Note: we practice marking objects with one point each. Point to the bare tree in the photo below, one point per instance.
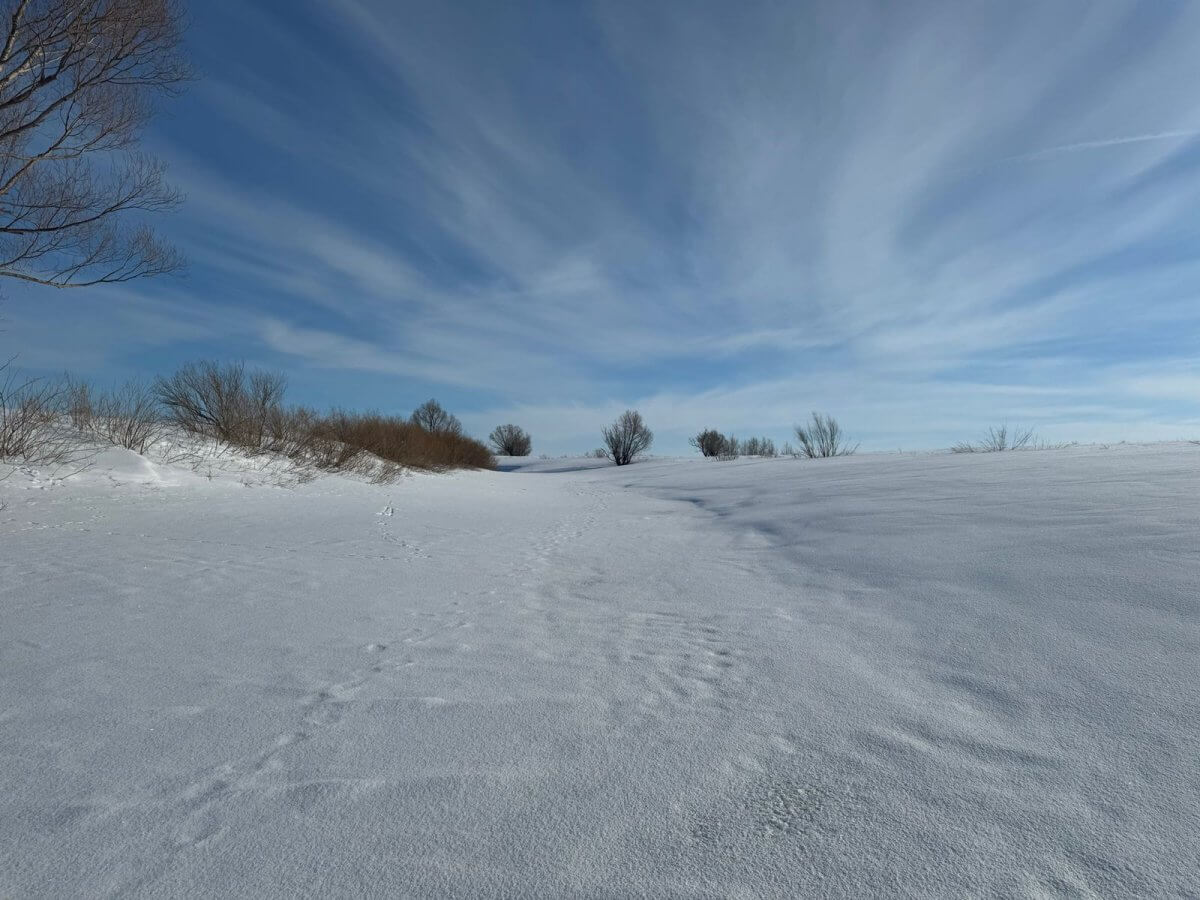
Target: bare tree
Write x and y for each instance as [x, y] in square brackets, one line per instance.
[433, 418]
[627, 438]
[77, 81]
[511, 440]
[823, 437]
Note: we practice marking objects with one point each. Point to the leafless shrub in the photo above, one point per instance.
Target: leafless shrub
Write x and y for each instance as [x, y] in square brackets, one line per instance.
[599, 453]
[760, 446]
[822, 437]
[511, 440]
[223, 401]
[403, 442]
[77, 78]
[77, 402]
[128, 416]
[265, 393]
[714, 445]
[33, 430]
[789, 450]
[27, 407]
[432, 417]
[322, 444]
[201, 454]
[709, 442]
[381, 471]
[627, 438]
[1000, 439]
[245, 410]
[293, 431]
[217, 410]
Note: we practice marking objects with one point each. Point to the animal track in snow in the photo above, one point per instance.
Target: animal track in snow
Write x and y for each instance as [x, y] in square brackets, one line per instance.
[776, 804]
[786, 808]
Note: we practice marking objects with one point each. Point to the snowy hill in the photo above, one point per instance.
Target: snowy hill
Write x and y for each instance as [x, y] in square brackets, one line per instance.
[926, 675]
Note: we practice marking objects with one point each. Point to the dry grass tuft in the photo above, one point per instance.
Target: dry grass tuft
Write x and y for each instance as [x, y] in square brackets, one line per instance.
[998, 440]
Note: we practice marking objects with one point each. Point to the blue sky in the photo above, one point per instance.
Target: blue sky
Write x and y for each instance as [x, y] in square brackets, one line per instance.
[923, 217]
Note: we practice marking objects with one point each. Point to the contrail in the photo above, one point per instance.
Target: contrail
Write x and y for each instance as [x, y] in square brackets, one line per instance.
[1107, 142]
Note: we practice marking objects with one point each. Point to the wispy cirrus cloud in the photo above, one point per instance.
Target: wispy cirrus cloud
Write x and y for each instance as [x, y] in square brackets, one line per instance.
[548, 213]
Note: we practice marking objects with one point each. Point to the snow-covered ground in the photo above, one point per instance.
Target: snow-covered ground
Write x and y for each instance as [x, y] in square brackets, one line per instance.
[927, 675]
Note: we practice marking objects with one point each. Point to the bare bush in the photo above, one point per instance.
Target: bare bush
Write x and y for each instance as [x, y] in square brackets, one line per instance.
[822, 437]
[264, 392]
[223, 401]
[293, 431]
[760, 446]
[403, 442]
[77, 79]
[322, 446]
[128, 416]
[627, 438]
[32, 429]
[709, 442]
[432, 417]
[1000, 439]
[245, 410]
[231, 410]
[599, 453]
[511, 440]
[77, 402]
[714, 445]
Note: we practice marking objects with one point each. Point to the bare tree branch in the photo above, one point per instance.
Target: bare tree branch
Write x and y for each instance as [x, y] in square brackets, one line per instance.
[77, 80]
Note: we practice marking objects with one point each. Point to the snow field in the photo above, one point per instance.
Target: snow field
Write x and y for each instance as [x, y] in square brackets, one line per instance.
[924, 675]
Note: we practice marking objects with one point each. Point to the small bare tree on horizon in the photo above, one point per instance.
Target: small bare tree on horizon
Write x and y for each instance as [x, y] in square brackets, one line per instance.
[431, 416]
[77, 81]
[627, 438]
[511, 440]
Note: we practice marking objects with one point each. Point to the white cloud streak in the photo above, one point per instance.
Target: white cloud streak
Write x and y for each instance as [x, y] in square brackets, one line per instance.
[1103, 144]
[729, 219]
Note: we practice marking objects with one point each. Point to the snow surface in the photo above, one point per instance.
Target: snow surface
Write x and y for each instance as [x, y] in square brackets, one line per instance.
[926, 675]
